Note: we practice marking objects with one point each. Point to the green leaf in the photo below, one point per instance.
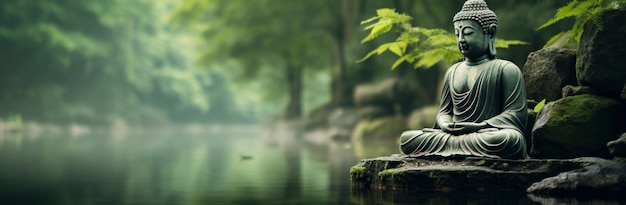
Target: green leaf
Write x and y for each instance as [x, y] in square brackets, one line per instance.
[378, 29]
[554, 38]
[539, 106]
[446, 39]
[501, 43]
[431, 57]
[409, 57]
[574, 8]
[370, 20]
[398, 48]
[385, 12]
[370, 54]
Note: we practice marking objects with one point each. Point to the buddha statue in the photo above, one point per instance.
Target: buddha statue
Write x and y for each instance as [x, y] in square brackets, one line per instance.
[483, 99]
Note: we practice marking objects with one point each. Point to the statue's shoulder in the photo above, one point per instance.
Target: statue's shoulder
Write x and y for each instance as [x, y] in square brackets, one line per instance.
[507, 66]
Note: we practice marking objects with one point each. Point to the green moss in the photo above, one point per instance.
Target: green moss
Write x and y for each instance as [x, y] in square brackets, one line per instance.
[357, 172]
[574, 120]
[619, 159]
[481, 162]
[389, 173]
[579, 108]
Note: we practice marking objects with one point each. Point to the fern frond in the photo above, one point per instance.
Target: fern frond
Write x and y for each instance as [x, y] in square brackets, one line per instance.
[555, 38]
[573, 8]
[501, 43]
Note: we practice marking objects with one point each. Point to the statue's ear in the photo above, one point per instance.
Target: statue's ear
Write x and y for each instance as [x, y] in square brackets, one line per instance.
[492, 39]
[492, 31]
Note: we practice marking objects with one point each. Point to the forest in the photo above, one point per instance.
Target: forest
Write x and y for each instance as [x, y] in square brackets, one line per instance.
[148, 62]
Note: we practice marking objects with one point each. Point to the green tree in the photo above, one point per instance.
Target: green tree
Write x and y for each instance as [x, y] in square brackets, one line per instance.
[285, 36]
[583, 11]
[96, 61]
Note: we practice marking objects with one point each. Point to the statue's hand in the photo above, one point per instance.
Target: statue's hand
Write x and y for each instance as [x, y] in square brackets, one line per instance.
[460, 128]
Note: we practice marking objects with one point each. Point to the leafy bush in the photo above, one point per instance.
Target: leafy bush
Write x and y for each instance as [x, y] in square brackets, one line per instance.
[419, 46]
[583, 10]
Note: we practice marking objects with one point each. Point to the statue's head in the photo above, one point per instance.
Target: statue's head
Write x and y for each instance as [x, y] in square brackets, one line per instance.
[475, 28]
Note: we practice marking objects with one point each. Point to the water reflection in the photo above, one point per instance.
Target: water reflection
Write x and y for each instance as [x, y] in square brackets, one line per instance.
[176, 167]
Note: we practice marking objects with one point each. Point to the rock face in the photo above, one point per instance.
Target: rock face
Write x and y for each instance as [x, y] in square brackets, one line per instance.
[569, 90]
[596, 177]
[547, 71]
[601, 63]
[577, 126]
[617, 147]
[480, 174]
[385, 93]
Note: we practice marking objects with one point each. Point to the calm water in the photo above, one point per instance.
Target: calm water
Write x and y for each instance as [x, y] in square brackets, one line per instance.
[238, 166]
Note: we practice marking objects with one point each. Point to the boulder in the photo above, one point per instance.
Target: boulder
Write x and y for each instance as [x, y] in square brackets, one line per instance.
[379, 129]
[569, 90]
[530, 121]
[318, 117]
[617, 148]
[423, 117]
[547, 70]
[623, 96]
[576, 126]
[374, 111]
[597, 177]
[386, 93]
[484, 174]
[343, 118]
[601, 63]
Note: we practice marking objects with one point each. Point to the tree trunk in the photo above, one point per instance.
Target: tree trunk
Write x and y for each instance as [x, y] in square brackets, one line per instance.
[294, 84]
[346, 13]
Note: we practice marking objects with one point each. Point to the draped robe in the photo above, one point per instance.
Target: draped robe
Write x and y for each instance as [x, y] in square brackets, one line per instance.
[497, 97]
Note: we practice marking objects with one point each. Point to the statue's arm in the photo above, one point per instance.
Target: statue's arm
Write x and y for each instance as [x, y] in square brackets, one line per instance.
[513, 100]
[444, 116]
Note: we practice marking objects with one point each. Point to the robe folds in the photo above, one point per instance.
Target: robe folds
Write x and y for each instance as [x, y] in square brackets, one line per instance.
[497, 97]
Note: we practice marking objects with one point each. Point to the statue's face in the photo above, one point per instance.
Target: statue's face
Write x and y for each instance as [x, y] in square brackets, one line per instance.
[472, 41]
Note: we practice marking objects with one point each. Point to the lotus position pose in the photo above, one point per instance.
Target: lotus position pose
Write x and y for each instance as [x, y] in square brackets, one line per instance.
[483, 99]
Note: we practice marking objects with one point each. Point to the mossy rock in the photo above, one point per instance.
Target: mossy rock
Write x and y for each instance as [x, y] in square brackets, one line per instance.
[454, 173]
[600, 55]
[379, 128]
[577, 126]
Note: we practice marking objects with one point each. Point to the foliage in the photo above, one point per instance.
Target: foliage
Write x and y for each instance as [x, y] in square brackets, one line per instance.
[272, 41]
[583, 11]
[419, 46]
[539, 106]
[96, 61]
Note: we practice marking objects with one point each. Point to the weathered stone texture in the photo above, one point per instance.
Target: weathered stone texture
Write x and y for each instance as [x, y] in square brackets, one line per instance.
[595, 177]
[617, 147]
[570, 90]
[576, 126]
[482, 174]
[601, 63]
[547, 71]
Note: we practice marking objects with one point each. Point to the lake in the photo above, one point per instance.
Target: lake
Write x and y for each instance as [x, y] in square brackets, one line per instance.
[241, 165]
